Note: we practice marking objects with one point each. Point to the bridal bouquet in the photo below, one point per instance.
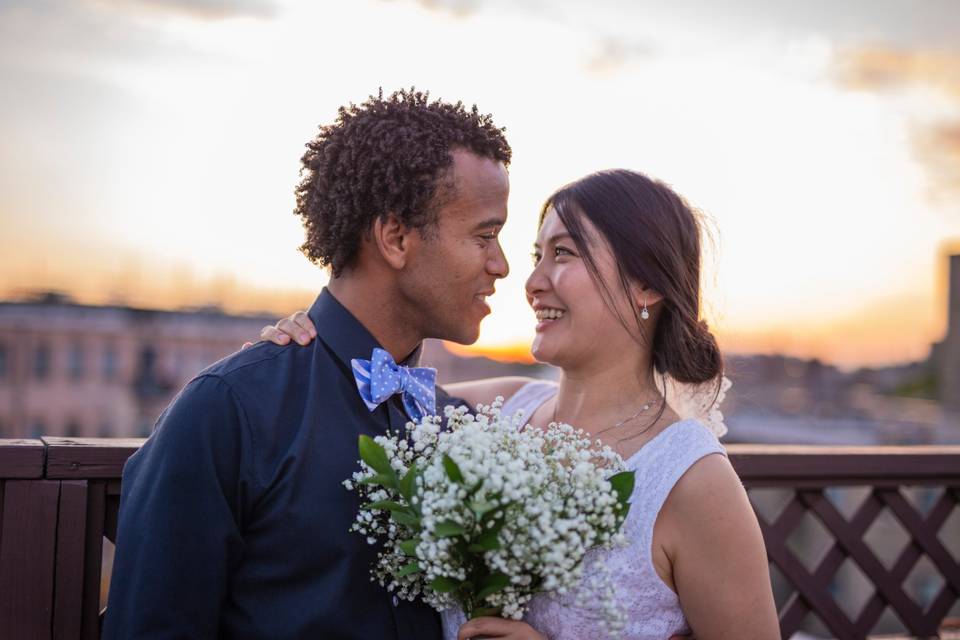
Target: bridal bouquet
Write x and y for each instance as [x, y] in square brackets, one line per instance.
[484, 514]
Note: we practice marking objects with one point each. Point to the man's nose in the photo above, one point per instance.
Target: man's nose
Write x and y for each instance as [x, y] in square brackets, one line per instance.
[497, 264]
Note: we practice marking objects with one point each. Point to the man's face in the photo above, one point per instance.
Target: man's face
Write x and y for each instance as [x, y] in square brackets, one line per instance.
[456, 265]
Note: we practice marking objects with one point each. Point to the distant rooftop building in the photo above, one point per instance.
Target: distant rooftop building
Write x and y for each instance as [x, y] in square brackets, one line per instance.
[74, 370]
[68, 369]
[949, 350]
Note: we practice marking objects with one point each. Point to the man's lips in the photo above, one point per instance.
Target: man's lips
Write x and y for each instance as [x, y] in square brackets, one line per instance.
[482, 297]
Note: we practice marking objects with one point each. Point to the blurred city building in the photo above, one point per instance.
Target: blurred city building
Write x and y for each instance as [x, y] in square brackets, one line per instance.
[68, 369]
[778, 399]
[946, 354]
[77, 370]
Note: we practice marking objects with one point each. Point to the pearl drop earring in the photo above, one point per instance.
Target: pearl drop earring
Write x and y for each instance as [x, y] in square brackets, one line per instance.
[644, 314]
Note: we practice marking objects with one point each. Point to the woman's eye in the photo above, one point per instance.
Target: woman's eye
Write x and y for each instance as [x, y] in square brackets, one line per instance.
[562, 251]
[535, 257]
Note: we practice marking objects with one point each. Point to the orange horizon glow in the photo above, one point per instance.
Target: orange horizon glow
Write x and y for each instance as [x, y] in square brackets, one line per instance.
[886, 331]
[872, 337]
[519, 352]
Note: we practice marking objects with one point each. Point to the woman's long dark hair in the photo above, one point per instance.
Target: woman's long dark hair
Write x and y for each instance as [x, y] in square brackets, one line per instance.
[655, 237]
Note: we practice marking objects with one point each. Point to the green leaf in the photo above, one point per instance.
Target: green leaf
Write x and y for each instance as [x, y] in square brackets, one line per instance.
[413, 567]
[453, 471]
[495, 528]
[443, 584]
[486, 541]
[491, 584]
[374, 455]
[496, 513]
[409, 547]
[383, 480]
[481, 507]
[406, 519]
[385, 505]
[448, 529]
[476, 487]
[623, 484]
[408, 483]
[480, 612]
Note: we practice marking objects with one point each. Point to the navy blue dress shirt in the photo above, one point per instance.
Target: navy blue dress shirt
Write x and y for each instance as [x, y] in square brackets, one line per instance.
[233, 517]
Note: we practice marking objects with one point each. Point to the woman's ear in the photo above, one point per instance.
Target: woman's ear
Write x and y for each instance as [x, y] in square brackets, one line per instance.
[392, 239]
[646, 297]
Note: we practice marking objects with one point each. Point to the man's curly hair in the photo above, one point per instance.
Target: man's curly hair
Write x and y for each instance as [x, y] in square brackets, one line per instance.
[385, 156]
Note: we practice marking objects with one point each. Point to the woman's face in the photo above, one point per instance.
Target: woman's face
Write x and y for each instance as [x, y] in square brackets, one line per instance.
[575, 325]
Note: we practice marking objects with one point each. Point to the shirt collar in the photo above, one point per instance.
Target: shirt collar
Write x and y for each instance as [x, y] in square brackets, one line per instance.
[344, 335]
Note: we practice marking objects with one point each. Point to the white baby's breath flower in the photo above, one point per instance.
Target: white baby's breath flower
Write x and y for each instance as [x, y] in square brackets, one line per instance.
[491, 503]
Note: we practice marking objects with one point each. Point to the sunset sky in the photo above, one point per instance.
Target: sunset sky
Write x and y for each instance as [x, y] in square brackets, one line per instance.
[150, 147]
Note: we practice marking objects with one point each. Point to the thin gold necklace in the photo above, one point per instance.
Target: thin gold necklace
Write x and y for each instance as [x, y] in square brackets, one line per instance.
[645, 407]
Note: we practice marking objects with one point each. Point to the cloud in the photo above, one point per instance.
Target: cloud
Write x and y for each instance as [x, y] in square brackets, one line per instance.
[614, 54]
[202, 9]
[897, 71]
[893, 69]
[939, 147]
[455, 8]
[612, 48]
[83, 37]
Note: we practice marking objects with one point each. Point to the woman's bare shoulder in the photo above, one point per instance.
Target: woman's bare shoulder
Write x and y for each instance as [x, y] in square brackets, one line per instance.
[707, 488]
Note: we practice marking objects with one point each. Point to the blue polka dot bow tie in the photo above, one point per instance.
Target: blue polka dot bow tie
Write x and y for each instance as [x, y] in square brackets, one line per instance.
[380, 377]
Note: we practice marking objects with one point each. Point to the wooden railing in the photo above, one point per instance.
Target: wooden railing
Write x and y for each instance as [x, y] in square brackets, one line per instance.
[884, 473]
[59, 500]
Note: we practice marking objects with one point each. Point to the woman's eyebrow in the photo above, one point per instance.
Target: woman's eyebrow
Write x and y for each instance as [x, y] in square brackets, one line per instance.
[563, 235]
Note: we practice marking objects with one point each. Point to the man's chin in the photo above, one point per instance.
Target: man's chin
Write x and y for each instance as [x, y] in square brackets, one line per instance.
[464, 336]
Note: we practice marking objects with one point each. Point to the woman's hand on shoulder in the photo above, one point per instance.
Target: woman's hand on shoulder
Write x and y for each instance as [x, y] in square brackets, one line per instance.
[297, 326]
[491, 627]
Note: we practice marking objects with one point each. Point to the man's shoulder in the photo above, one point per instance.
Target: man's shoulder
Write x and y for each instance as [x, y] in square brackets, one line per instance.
[254, 385]
[247, 361]
[265, 359]
[265, 379]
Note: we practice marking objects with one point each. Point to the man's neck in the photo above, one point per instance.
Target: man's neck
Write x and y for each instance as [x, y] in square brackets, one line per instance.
[374, 306]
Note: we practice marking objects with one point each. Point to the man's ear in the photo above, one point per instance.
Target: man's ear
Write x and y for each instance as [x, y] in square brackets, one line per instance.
[392, 239]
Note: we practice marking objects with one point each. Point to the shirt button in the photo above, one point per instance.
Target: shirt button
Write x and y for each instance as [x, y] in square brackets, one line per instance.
[396, 601]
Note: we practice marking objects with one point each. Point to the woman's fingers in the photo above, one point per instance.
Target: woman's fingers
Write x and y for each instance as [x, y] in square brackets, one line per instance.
[272, 334]
[302, 320]
[498, 628]
[297, 326]
[245, 345]
[294, 330]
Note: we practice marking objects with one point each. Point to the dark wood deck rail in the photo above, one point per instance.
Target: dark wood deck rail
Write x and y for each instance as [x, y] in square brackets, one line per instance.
[59, 498]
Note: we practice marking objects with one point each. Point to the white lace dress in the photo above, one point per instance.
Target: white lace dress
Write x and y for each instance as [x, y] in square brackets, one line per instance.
[652, 609]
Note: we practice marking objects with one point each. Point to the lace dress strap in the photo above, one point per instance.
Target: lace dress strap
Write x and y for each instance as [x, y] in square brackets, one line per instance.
[529, 398]
[663, 461]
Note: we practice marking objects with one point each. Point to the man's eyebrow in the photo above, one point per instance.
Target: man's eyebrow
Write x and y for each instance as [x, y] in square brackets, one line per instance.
[489, 222]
